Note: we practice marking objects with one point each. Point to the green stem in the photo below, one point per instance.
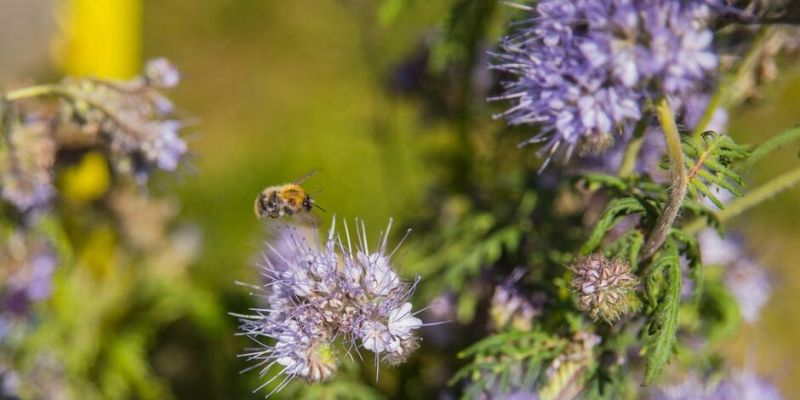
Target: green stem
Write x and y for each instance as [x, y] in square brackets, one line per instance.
[751, 199]
[708, 114]
[724, 95]
[767, 147]
[678, 180]
[628, 166]
[31, 91]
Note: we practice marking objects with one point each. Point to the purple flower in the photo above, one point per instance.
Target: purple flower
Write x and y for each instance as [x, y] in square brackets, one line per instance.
[159, 72]
[744, 385]
[582, 70]
[28, 265]
[318, 293]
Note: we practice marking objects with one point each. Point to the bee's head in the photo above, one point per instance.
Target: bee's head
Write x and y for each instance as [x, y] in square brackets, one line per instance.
[308, 203]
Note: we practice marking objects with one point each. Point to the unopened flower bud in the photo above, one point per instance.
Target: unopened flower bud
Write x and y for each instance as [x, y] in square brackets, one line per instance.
[603, 287]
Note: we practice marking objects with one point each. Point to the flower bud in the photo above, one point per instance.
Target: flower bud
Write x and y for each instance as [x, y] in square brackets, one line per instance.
[603, 287]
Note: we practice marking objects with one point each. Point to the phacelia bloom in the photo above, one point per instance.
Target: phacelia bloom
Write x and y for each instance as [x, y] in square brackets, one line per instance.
[747, 280]
[131, 117]
[26, 163]
[603, 287]
[28, 265]
[319, 295]
[584, 69]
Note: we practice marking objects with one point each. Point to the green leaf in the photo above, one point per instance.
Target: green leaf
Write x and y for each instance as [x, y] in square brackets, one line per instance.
[616, 210]
[769, 146]
[659, 334]
[389, 10]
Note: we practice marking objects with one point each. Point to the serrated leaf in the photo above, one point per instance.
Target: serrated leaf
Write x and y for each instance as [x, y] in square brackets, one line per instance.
[615, 211]
[659, 334]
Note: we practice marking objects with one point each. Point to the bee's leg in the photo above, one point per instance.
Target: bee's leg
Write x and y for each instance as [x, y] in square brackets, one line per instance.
[287, 210]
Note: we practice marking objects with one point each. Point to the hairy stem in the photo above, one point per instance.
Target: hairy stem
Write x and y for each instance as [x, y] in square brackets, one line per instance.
[678, 180]
[751, 199]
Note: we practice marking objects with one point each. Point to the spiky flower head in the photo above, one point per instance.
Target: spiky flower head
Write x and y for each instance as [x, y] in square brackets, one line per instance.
[583, 70]
[322, 295]
[603, 288]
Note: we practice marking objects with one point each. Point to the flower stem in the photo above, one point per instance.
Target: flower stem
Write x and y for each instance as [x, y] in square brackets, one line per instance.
[678, 180]
[31, 91]
[628, 166]
[751, 199]
[724, 95]
[770, 145]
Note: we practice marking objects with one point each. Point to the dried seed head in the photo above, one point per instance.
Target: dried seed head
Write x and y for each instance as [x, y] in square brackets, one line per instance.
[603, 287]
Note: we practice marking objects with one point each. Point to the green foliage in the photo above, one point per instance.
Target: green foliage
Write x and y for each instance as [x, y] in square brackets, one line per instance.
[338, 389]
[452, 259]
[711, 162]
[766, 148]
[507, 361]
[662, 291]
[616, 210]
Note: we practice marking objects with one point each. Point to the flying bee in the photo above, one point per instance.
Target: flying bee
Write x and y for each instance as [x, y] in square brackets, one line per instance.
[288, 199]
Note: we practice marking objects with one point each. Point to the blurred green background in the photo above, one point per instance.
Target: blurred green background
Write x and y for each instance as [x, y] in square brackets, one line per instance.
[276, 89]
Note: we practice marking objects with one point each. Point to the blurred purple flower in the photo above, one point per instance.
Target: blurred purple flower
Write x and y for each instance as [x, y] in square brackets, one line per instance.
[160, 72]
[740, 385]
[584, 69]
[746, 385]
[132, 117]
[28, 265]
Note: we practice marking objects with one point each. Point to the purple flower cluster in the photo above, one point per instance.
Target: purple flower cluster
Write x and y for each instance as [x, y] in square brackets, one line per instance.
[320, 295]
[584, 69]
[131, 116]
[130, 120]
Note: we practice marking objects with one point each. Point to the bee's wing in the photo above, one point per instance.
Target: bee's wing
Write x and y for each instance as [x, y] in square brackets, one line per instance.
[303, 178]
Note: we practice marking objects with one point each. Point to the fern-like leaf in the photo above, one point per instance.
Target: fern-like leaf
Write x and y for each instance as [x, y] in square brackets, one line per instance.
[710, 163]
[659, 334]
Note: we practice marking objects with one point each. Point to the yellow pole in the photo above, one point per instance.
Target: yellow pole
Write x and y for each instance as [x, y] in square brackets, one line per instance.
[101, 38]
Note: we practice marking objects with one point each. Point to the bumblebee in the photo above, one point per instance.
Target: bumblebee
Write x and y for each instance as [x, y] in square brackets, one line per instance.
[288, 199]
